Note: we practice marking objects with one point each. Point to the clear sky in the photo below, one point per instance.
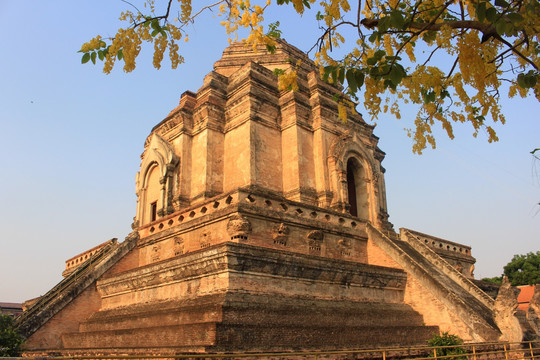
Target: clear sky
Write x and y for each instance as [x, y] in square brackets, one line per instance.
[72, 137]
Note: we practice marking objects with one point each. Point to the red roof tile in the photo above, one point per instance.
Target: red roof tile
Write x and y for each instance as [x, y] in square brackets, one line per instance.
[525, 296]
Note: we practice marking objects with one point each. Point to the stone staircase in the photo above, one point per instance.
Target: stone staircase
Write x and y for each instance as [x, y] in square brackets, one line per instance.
[237, 322]
[72, 285]
[257, 314]
[462, 296]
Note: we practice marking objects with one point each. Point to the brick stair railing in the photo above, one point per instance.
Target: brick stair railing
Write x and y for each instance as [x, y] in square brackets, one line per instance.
[71, 286]
[447, 269]
[473, 311]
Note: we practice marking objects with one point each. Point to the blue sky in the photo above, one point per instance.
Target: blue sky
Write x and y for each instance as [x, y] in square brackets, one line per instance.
[72, 136]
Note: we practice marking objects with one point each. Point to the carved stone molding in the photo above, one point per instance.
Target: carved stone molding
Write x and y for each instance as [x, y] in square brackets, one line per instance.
[315, 239]
[238, 227]
[205, 239]
[155, 253]
[344, 246]
[280, 234]
[135, 223]
[338, 145]
[178, 246]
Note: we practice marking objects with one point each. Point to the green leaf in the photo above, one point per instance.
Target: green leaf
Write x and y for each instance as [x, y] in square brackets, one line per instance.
[93, 57]
[501, 27]
[120, 54]
[351, 80]
[341, 75]
[397, 19]
[327, 71]
[373, 36]
[429, 97]
[101, 56]
[396, 75]
[383, 24]
[509, 30]
[374, 72]
[334, 74]
[388, 83]
[154, 33]
[371, 61]
[359, 78]
[430, 36]
[515, 18]
[379, 54]
[530, 80]
[491, 14]
[86, 58]
[278, 71]
[481, 11]
[501, 3]
[273, 30]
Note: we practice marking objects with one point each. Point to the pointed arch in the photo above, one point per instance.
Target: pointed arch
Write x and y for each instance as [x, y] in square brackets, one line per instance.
[155, 181]
[355, 177]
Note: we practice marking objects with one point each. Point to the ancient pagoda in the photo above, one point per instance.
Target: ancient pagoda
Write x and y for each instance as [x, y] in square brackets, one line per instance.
[261, 225]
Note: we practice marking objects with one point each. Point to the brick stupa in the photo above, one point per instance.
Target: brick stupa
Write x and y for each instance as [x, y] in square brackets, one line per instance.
[261, 225]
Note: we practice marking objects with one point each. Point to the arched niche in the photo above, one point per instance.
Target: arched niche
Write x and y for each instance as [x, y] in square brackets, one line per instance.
[357, 189]
[354, 175]
[156, 180]
[152, 194]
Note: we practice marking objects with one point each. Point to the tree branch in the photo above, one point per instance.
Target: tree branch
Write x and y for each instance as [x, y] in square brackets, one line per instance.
[487, 29]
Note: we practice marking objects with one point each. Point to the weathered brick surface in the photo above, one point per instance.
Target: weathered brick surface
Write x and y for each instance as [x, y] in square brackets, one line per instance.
[246, 240]
[433, 290]
[268, 299]
[68, 320]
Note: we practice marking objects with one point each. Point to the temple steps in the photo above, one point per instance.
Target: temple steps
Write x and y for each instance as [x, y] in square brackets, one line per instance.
[457, 293]
[246, 321]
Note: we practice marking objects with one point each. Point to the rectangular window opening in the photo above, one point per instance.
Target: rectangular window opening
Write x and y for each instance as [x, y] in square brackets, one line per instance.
[153, 211]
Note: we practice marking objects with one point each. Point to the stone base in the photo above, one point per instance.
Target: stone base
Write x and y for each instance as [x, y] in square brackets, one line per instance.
[240, 322]
[358, 307]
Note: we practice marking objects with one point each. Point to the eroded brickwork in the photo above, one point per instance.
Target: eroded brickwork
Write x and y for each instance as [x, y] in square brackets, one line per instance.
[261, 225]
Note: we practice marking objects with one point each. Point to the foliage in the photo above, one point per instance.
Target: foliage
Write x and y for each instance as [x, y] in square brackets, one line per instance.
[10, 341]
[524, 269]
[446, 339]
[447, 57]
[494, 280]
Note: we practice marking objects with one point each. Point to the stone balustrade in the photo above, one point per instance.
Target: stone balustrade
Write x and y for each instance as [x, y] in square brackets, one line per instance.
[74, 262]
[280, 205]
[441, 244]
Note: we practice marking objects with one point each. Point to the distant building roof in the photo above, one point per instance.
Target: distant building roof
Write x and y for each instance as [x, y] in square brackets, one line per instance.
[10, 308]
[525, 295]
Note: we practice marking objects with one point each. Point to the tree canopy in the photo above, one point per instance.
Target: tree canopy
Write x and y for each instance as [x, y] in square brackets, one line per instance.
[450, 58]
[524, 269]
[10, 341]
